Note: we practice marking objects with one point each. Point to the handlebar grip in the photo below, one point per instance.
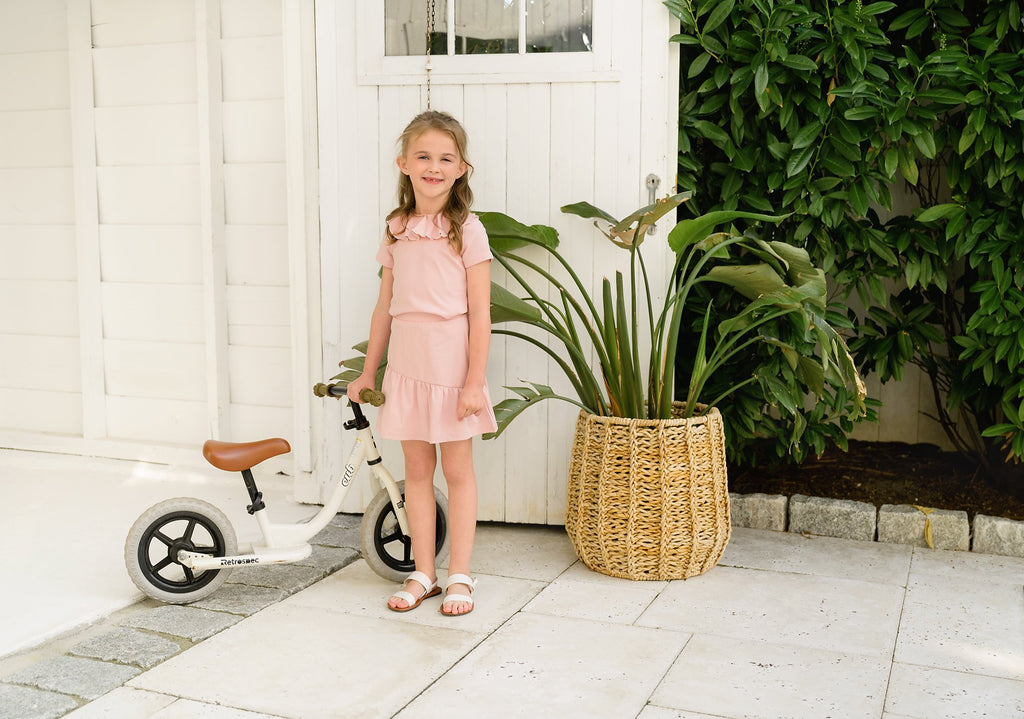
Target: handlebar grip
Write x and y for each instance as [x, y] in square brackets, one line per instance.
[372, 397]
[321, 390]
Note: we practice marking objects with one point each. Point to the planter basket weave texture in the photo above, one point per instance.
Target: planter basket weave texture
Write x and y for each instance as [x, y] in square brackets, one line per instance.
[648, 499]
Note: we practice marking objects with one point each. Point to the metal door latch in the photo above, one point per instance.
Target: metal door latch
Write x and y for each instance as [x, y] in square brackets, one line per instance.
[652, 182]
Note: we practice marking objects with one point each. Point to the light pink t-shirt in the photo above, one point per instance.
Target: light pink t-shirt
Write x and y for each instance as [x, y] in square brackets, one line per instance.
[430, 278]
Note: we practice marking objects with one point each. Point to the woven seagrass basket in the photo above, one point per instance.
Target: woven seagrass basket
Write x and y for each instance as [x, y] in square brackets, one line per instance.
[648, 498]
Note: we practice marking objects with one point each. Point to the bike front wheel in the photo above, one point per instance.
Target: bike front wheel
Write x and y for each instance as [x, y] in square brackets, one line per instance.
[165, 529]
[386, 548]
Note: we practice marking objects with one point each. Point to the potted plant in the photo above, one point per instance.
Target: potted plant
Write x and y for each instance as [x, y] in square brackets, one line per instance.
[647, 496]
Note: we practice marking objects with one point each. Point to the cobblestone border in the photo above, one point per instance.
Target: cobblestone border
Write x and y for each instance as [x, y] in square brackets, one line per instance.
[51, 687]
[894, 523]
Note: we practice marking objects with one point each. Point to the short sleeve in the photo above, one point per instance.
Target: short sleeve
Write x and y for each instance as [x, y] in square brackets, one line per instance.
[475, 247]
[384, 254]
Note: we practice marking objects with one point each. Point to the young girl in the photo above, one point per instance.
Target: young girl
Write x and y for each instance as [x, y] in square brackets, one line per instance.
[434, 307]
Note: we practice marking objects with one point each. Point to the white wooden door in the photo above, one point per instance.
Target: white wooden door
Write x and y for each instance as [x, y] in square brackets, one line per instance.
[545, 130]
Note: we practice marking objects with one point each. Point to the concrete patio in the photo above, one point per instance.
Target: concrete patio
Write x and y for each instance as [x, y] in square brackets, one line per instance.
[786, 626]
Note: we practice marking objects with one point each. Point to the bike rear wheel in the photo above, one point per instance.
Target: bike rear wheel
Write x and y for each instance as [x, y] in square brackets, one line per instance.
[386, 548]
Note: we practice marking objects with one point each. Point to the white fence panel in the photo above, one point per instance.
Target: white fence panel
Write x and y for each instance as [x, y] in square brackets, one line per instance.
[145, 75]
[170, 135]
[40, 362]
[154, 369]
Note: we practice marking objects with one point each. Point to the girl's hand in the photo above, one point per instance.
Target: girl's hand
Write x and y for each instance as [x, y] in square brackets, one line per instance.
[471, 401]
[354, 388]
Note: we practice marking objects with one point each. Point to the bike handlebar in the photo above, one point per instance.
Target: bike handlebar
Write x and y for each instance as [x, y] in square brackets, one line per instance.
[338, 391]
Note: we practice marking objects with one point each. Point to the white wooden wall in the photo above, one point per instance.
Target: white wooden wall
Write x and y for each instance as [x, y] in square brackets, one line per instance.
[154, 224]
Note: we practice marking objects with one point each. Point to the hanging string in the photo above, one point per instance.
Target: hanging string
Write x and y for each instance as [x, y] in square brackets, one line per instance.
[430, 37]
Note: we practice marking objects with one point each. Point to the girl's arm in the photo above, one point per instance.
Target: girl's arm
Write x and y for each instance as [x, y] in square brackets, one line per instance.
[478, 288]
[380, 333]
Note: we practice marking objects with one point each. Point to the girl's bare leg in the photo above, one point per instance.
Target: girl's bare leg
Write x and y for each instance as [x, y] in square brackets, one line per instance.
[420, 462]
[457, 465]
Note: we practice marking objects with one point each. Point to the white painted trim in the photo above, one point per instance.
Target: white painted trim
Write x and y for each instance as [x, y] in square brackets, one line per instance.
[210, 117]
[87, 235]
[326, 420]
[176, 455]
[490, 78]
[301, 167]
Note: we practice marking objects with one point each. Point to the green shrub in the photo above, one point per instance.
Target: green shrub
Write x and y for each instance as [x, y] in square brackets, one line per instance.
[820, 109]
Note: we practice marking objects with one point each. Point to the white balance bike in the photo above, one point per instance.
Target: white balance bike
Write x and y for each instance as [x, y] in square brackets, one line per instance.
[181, 550]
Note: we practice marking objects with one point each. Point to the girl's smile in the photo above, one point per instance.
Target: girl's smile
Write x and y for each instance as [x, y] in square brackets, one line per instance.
[433, 164]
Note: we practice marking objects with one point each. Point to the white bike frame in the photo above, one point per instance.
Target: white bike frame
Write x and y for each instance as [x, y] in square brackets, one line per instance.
[284, 543]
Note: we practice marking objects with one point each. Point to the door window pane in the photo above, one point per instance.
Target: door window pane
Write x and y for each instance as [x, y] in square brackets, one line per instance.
[559, 25]
[405, 27]
[486, 27]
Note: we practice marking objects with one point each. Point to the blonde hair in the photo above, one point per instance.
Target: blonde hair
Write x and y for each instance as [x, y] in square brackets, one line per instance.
[456, 208]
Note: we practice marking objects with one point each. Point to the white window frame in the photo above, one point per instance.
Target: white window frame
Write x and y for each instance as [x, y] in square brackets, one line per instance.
[375, 68]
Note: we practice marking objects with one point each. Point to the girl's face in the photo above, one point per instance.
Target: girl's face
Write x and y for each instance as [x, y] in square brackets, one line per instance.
[433, 164]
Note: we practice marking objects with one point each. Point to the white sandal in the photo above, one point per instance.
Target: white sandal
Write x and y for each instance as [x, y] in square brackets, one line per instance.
[449, 598]
[430, 589]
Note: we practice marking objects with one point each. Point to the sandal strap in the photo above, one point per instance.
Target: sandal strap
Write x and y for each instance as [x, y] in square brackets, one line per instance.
[423, 579]
[452, 598]
[405, 596]
[460, 579]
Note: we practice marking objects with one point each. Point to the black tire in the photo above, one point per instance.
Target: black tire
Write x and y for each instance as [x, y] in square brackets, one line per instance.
[385, 547]
[151, 549]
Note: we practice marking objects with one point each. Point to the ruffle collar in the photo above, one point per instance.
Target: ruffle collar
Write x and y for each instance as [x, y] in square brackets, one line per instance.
[420, 227]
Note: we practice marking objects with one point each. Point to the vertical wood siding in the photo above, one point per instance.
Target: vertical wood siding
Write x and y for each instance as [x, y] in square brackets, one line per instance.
[40, 379]
[144, 225]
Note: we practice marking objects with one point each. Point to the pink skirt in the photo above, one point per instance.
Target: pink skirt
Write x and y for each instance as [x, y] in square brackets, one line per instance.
[428, 361]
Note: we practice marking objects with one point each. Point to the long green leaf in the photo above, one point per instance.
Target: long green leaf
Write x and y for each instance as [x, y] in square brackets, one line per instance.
[688, 232]
[508, 409]
[506, 307]
[627, 379]
[506, 234]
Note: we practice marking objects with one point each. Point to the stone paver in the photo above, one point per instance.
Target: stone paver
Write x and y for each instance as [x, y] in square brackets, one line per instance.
[241, 599]
[758, 511]
[289, 577]
[29, 703]
[342, 531]
[330, 559]
[188, 622]
[86, 678]
[842, 518]
[998, 535]
[128, 646]
[903, 524]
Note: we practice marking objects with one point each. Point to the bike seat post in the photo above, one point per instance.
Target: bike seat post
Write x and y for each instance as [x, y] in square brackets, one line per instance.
[254, 494]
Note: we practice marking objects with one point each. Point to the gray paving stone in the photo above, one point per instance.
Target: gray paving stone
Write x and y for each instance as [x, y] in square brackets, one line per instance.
[841, 518]
[27, 703]
[289, 577]
[86, 678]
[338, 536]
[189, 622]
[904, 524]
[330, 559]
[352, 521]
[128, 646]
[998, 535]
[241, 599]
[758, 511]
